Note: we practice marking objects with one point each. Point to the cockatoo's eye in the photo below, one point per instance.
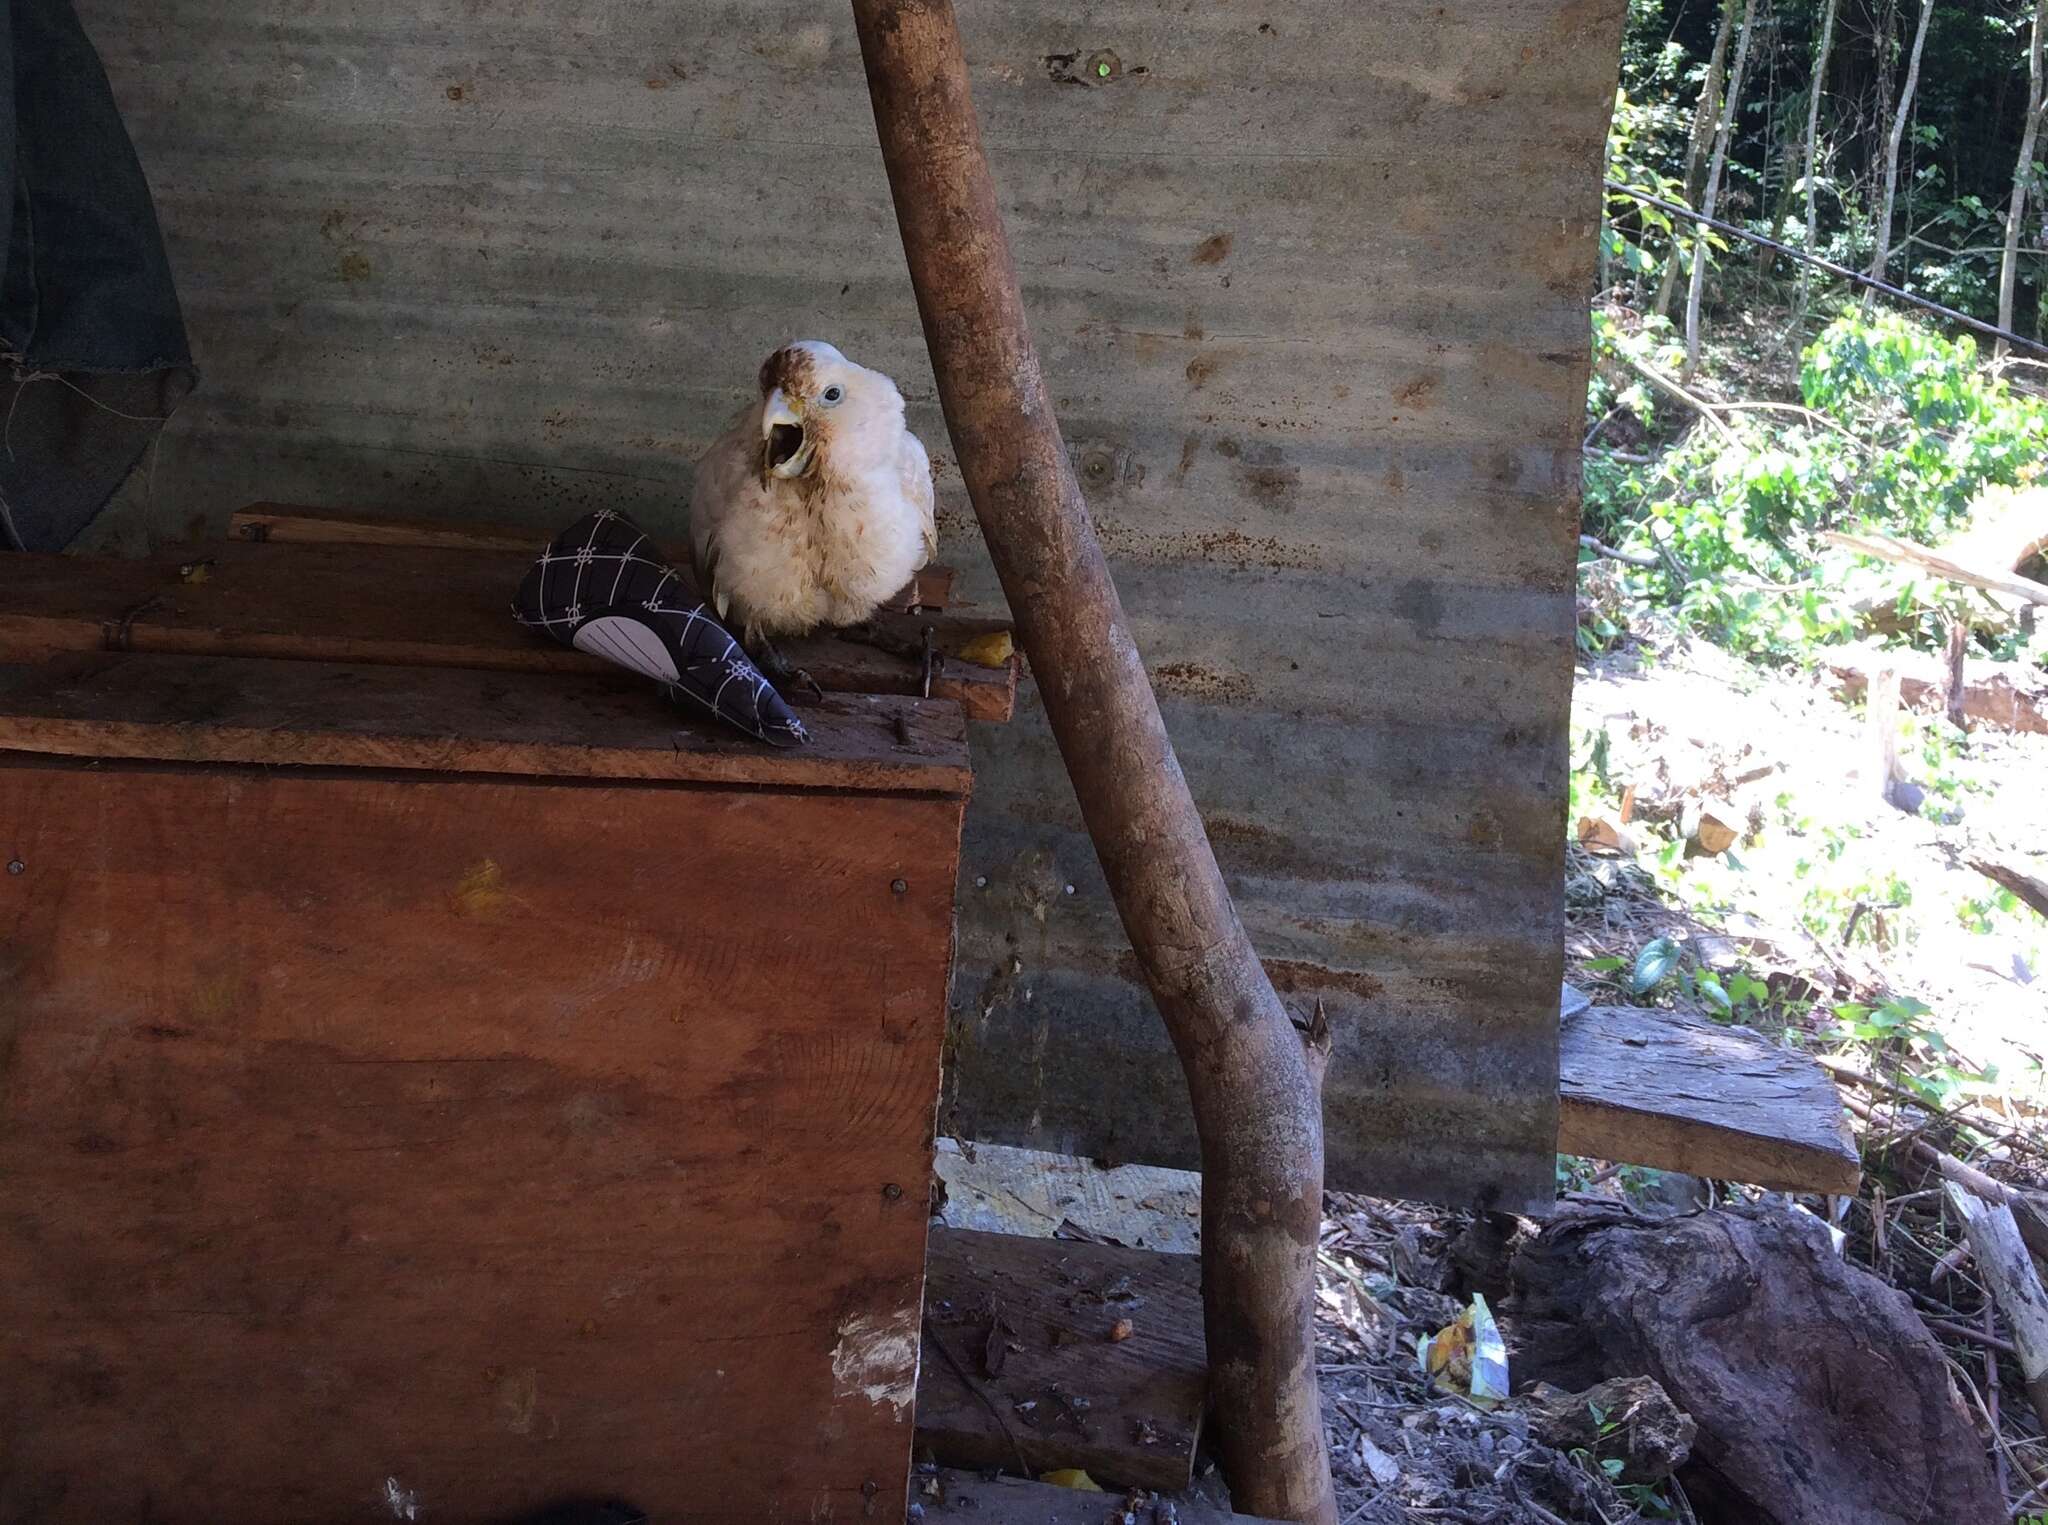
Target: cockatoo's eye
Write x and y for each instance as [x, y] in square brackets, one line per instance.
[832, 395]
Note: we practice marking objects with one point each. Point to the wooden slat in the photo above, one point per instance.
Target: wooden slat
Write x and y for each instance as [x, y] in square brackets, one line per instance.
[971, 1499]
[388, 604]
[293, 524]
[1654, 1088]
[1069, 1395]
[254, 710]
[511, 1142]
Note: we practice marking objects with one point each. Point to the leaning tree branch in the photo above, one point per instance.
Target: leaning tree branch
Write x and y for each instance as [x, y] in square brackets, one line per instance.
[1254, 1080]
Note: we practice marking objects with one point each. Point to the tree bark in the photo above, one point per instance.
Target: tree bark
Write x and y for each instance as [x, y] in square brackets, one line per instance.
[1705, 113]
[2023, 171]
[1880, 262]
[1820, 76]
[1713, 190]
[1254, 1079]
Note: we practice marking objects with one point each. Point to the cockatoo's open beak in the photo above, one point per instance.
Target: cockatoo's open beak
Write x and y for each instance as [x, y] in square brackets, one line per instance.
[786, 448]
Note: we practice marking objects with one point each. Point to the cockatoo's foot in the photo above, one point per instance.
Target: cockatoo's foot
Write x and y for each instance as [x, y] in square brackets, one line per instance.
[788, 680]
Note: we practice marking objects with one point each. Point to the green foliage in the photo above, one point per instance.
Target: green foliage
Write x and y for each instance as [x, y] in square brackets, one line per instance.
[1897, 429]
[1899, 1028]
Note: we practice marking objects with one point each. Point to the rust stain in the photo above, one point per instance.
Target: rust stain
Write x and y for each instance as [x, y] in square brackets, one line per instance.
[656, 82]
[1230, 547]
[1213, 250]
[1200, 369]
[1293, 977]
[1193, 680]
[1188, 447]
[458, 92]
[354, 266]
[1416, 391]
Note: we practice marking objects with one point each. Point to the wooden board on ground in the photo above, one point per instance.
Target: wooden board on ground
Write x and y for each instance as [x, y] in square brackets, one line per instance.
[253, 710]
[954, 1497]
[1029, 1373]
[294, 524]
[1651, 1087]
[393, 604]
[378, 1142]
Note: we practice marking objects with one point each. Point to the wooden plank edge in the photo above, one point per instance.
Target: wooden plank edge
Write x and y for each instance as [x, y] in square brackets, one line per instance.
[950, 1495]
[1589, 1127]
[291, 523]
[1592, 1124]
[252, 747]
[985, 694]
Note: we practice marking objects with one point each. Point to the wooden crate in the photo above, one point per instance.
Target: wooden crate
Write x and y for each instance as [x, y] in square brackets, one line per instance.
[458, 1091]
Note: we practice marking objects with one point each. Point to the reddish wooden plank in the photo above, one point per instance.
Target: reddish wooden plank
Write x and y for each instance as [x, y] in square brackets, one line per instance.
[1068, 1393]
[297, 524]
[406, 605]
[504, 1140]
[457, 720]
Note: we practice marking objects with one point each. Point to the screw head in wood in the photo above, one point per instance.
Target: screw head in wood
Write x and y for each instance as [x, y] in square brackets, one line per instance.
[899, 886]
[16, 866]
[893, 1192]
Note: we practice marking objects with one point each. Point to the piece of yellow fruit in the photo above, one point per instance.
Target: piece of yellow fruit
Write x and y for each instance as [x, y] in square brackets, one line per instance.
[1071, 1477]
[991, 650]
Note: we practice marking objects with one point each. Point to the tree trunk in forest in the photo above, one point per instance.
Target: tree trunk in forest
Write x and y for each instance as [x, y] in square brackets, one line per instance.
[1881, 260]
[1713, 191]
[1704, 115]
[2023, 171]
[1254, 1079]
[1820, 75]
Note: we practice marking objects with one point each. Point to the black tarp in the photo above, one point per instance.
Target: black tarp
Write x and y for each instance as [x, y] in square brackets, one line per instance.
[89, 320]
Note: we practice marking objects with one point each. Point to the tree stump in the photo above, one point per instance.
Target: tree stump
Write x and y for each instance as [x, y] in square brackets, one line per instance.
[1819, 1397]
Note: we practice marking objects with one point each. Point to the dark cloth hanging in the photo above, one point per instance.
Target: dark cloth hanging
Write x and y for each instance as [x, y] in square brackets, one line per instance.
[89, 319]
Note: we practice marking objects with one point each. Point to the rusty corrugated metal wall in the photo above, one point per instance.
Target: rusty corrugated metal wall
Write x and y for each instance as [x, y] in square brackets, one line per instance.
[1309, 280]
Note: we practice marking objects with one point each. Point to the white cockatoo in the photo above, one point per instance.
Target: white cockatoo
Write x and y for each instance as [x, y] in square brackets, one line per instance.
[814, 507]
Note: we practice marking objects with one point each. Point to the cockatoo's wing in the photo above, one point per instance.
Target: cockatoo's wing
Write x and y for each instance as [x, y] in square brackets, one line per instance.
[916, 469]
[725, 480]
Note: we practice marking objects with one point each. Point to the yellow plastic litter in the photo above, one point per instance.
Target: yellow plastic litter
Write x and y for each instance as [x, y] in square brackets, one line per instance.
[1468, 1356]
[1072, 1477]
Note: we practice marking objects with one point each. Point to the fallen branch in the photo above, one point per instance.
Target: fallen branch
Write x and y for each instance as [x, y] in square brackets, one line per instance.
[1629, 558]
[1968, 1335]
[2009, 1276]
[2031, 890]
[1908, 553]
[2033, 1222]
[1671, 386]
